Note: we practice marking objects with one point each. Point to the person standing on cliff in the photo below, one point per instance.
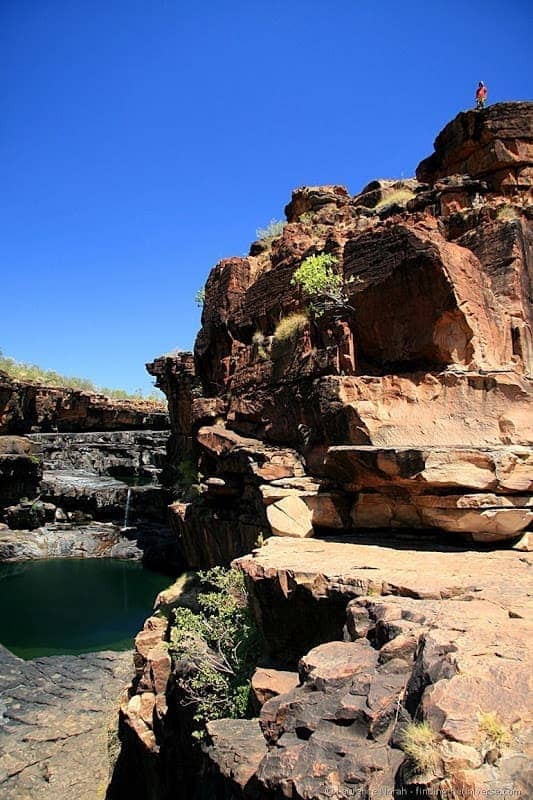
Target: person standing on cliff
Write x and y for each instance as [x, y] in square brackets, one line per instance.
[481, 96]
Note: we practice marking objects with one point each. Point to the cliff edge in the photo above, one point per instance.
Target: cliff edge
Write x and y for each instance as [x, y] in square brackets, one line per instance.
[379, 439]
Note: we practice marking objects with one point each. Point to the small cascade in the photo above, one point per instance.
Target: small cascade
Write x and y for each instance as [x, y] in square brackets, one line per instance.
[127, 510]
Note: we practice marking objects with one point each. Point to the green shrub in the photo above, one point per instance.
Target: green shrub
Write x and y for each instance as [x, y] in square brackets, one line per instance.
[199, 297]
[290, 327]
[316, 276]
[219, 646]
[272, 231]
[188, 479]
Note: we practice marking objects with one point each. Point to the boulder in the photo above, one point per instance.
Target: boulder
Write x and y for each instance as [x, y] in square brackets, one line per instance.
[269, 682]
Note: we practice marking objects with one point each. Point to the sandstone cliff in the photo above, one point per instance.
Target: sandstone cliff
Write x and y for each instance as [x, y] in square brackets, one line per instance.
[28, 407]
[394, 429]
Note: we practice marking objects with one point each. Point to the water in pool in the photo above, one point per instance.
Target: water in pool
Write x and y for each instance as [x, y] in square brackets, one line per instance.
[62, 606]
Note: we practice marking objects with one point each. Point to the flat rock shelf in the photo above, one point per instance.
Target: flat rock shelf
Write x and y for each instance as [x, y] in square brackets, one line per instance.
[57, 721]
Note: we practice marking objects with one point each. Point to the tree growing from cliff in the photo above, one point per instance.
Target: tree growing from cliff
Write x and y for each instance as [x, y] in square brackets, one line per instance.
[318, 279]
[216, 648]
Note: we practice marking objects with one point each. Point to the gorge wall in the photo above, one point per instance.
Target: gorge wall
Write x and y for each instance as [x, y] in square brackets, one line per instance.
[376, 458]
[28, 408]
[65, 484]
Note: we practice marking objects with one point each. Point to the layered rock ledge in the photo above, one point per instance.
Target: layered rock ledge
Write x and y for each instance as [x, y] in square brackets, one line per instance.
[437, 635]
[379, 440]
[27, 407]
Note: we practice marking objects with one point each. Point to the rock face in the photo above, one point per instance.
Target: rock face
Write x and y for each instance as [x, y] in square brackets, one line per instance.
[120, 454]
[383, 451]
[496, 145]
[432, 350]
[154, 544]
[76, 488]
[438, 635]
[26, 407]
[20, 470]
[57, 724]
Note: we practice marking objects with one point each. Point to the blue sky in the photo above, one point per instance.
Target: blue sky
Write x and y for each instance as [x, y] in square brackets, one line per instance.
[143, 140]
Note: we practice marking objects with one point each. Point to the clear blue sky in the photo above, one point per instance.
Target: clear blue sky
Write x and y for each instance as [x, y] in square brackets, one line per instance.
[143, 140]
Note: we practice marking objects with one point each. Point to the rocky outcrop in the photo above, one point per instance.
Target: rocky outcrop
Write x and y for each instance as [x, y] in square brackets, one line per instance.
[413, 488]
[496, 144]
[228, 516]
[382, 449]
[120, 454]
[27, 407]
[445, 363]
[175, 376]
[438, 636]
[154, 544]
[385, 638]
[57, 724]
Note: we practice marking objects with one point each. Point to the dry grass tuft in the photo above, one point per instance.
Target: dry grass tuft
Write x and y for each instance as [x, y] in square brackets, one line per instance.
[290, 327]
[492, 729]
[507, 213]
[420, 743]
[398, 197]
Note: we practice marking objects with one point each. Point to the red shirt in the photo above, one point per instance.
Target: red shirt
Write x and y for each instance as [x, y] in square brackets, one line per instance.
[481, 92]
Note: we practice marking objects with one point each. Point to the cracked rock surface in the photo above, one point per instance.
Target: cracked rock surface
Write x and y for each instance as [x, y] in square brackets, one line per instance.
[56, 724]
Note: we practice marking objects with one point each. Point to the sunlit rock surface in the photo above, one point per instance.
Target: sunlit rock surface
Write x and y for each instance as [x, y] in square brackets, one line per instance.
[58, 724]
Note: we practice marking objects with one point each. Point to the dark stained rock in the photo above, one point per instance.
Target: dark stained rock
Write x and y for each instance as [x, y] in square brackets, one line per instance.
[176, 376]
[154, 544]
[427, 321]
[99, 496]
[120, 454]
[309, 199]
[20, 470]
[29, 514]
[26, 407]
[236, 748]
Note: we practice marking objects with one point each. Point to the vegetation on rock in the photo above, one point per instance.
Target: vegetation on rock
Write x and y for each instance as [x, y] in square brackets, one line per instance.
[216, 649]
[32, 373]
[188, 479]
[273, 229]
[289, 327]
[258, 339]
[419, 742]
[398, 197]
[492, 730]
[507, 213]
[316, 276]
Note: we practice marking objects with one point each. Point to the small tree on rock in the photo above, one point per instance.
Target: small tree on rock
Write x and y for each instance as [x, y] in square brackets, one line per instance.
[317, 278]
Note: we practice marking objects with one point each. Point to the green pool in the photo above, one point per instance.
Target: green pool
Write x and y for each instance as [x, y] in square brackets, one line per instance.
[62, 606]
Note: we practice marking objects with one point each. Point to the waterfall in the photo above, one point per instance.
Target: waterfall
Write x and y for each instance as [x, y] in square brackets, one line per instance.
[127, 510]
